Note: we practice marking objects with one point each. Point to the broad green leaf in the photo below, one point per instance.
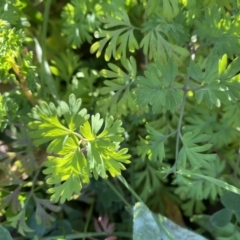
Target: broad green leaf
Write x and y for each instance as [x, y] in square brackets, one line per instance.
[117, 40]
[237, 215]
[221, 218]
[158, 88]
[231, 201]
[147, 225]
[224, 233]
[193, 152]
[4, 234]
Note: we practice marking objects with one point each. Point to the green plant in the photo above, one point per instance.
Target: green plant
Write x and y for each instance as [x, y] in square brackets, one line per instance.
[91, 88]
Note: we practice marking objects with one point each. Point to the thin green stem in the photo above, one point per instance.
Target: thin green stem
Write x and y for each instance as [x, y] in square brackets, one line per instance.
[45, 75]
[78, 135]
[84, 235]
[88, 218]
[179, 128]
[118, 193]
[237, 164]
[146, 10]
[124, 182]
[45, 26]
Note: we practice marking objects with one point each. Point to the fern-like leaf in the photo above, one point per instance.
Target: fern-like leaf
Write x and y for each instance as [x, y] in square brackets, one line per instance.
[194, 153]
[118, 40]
[77, 148]
[218, 83]
[119, 87]
[158, 88]
[156, 42]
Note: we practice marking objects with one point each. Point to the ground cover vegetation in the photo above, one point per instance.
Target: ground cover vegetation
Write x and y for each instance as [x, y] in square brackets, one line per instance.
[119, 119]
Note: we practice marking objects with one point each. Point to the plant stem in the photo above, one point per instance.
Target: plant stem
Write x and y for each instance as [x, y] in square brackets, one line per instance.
[78, 235]
[88, 218]
[118, 193]
[237, 164]
[124, 182]
[179, 135]
[45, 72]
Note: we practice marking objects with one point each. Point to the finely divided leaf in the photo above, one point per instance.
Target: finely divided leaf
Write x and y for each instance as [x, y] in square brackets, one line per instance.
[153, 146]
[119, 88]
[47, 125]
[156, 30]
[102, 146]
[117, 40]
[77, 148]
[192, 152]
[78, 26]
[219, 84]
[65, 191]
[158, 88]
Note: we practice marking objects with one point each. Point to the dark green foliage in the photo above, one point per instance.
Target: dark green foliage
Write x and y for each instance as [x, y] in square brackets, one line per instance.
[89, 89]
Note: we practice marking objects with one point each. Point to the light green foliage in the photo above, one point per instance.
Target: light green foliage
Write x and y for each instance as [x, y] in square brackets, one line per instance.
[159, 88]
[167, 71]
[2, 112]
[119, 87]
[8, 109]
[79, 148]
[28, 70]
[117, 40]
[10, 45]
